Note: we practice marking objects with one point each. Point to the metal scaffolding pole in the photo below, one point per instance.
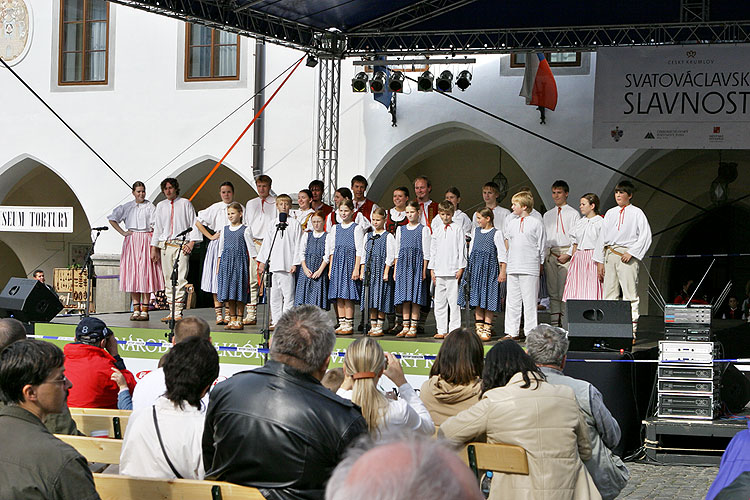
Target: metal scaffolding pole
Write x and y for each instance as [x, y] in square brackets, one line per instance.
[329, 89]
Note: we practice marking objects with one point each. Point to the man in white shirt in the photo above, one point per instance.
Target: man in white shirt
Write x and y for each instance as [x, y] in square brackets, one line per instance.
[174, 219]
[152, 385]
[427, 207]
[623, 242]
[260, 214]
[362, 205]
[559, 223]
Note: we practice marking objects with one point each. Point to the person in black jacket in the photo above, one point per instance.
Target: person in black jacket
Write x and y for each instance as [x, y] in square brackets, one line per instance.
[277, 428]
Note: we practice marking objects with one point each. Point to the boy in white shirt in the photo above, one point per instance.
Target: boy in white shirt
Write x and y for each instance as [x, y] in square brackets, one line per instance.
[284, 259]
[446, 267]
[526, 242]
[453, 195]
[623, 241]
[490, 193]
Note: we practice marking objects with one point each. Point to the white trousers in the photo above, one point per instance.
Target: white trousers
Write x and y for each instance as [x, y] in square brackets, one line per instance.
[621, 280]
[447, 312]
[282, 294]
[168, 255]
[522, 289]
[556, 275]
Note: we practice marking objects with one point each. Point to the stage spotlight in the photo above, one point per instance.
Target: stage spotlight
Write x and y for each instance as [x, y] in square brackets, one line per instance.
[464, 80]
[377, 85]
[312, 61]
[359, 82]
[396, 83]
[444, 82]
[424, 82]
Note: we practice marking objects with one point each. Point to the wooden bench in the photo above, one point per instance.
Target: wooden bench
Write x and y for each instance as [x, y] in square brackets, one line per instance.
[99, 450]
[505, 458]
[113, 487]
[89, 420]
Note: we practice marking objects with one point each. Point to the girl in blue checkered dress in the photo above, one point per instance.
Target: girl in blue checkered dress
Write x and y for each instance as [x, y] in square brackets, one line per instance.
[382, 245]
[312, 280]
[345, 247]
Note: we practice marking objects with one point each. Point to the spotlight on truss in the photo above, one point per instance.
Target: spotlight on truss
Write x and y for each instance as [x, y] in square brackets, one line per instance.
[312, 61]
[377, 84]
[396, 83]
[424, 82]
[359, 82]
[464, 80]
[444, 82]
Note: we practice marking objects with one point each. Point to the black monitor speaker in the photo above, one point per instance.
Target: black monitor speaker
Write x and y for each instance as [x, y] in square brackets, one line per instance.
[599, 325]
[29, 300]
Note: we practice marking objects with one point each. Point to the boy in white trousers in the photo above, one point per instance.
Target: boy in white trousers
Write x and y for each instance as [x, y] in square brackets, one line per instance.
[623, 241]
[448, 249]
[284, 259]
[526, 242]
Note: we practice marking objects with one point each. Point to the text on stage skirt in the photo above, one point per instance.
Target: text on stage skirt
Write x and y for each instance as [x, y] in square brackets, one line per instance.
[137, 273]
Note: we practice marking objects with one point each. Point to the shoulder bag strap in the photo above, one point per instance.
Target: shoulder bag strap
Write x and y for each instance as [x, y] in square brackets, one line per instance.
[161, 443]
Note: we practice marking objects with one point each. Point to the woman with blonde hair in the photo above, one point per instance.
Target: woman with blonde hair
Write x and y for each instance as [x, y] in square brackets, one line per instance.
[364, 364]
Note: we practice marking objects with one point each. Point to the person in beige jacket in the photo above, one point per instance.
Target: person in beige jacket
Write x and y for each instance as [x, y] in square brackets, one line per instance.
[519, 407]
[455, 378]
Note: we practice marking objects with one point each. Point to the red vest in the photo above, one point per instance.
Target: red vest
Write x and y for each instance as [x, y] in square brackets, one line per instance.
[391, 225]
[365, 209]
[432, 212]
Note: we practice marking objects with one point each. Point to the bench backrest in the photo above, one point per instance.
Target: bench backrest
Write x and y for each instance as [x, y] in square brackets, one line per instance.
[89, 420]
[505, 458]
[100, 450]
[112, 487]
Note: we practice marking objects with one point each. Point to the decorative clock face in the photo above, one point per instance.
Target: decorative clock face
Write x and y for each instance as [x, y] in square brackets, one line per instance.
[16, 24]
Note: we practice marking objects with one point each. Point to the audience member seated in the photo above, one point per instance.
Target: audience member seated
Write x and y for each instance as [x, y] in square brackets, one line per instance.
[686, 291]
[33, 462]
[124, 400]
[402, 468]
[364, 364]
[456, 376]
[12, 330]
[518, 406]
[333, 379]
[732, 480]
[89, 362]
[276, 428]
[152, 385]
[164, 441]
[548, 345]
[732, 310]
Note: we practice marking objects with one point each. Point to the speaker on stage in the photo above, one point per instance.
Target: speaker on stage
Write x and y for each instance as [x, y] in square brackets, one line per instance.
[735, 388]
[599, 325]
[28, 300]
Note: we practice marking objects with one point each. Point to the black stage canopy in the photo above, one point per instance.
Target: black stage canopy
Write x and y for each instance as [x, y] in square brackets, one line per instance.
[399, 27]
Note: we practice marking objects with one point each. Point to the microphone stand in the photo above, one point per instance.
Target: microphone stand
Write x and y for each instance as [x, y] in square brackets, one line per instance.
[467, 287]
[267, 279]
[175, 273]
[88, 265]
[366, 286]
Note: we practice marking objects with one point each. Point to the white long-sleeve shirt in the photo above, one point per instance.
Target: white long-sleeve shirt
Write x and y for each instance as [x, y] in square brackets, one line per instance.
[526, 245]
[137, 217]
[248, 240]
[285, 249]
[359, 235]
[559, 224]
[460, 218]
[426, 239]
[407, 413]
[173, 217]
[447, 249]
[303, 217]
[499, 216]
[499, 240]
[360, 219]
[260, 215]
[215, 216]
[626, 227]
[303, 247]
[586, 233]
[390, 247]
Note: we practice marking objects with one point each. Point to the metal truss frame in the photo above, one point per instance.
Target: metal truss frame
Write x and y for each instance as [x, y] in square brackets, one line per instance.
[329, 90]
[411, 15]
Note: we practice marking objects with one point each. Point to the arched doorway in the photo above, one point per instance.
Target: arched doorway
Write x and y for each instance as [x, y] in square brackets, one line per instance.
[450, 155]
[28, 182]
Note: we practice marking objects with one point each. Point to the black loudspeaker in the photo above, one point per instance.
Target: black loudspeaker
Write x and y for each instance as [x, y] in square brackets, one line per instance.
[29, 300]
[599, 325]
[735, 388]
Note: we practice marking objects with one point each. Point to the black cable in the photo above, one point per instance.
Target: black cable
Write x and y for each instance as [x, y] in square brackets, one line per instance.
[562, 146]
[63, 121]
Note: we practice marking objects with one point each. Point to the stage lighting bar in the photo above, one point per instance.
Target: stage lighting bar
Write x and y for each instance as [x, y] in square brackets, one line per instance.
[464, 80]
[414, 62]
[377, 84]
[359, 82]
[396, 83]
[424, 82]
[444, 82]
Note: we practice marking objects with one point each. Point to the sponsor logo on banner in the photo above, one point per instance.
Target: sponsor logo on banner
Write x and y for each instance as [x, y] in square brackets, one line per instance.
[670, 96]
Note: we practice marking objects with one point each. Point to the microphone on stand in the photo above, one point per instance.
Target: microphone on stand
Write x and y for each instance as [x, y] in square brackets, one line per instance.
[282, 222]
[184, 233]
[468, 238]
[100, 228]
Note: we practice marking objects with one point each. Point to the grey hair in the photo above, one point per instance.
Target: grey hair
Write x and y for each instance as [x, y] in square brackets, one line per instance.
[304, 333]
[547, 345]
[418, 480]
[11, 330]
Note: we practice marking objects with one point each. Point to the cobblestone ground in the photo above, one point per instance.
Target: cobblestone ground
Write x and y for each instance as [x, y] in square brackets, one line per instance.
[667, 482]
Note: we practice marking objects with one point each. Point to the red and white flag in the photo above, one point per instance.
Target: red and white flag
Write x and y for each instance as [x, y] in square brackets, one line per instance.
[539, 87]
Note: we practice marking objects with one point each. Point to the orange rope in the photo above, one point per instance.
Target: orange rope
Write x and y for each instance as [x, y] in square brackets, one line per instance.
[213, 170]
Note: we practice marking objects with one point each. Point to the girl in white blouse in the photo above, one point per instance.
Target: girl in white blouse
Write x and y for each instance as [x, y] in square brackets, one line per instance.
[364, 364]
[582, 282]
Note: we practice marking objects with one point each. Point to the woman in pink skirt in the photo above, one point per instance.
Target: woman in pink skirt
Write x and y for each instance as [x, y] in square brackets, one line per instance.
[582, 282]
[138, 275]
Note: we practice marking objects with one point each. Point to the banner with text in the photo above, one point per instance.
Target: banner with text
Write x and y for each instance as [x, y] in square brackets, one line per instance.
[676, 97]
[36, 219]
